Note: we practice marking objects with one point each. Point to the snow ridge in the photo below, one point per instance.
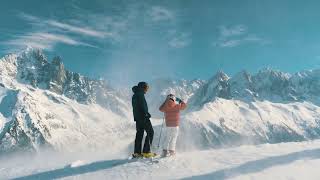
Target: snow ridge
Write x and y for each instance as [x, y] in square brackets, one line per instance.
[42, 104]
[267, 84]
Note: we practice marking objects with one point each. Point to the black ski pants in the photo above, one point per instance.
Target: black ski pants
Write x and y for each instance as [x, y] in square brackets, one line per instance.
[141, 127]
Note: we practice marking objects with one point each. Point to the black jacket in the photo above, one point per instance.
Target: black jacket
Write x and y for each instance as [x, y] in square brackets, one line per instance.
[139, 105]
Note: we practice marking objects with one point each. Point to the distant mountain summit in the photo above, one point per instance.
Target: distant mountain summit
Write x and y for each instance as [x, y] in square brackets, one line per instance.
[40, 100]
[217, 86]
[267, 84]
[32, 67]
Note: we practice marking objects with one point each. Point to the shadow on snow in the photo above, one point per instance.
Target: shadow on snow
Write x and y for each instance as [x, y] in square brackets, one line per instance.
[246, 168]
[72, 171]
[259, 165]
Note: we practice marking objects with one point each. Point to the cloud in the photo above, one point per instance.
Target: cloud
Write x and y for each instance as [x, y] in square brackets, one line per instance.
[158, 13]
[86, 28]
[230, 43]
[81, 30]
[237, 35]
[113, 27]
[233, 31]
[43, 40]
[180, 40]
[255, 38]
[29, 17]
[47, 33]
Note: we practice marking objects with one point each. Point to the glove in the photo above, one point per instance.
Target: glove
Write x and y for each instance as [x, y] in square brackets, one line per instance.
[179, 100]
[148, 115]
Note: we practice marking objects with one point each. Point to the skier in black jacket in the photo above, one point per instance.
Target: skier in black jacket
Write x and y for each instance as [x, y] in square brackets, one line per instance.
[142, 119]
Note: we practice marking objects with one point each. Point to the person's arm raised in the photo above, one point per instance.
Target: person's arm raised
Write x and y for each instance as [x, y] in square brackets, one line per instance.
[183, 105]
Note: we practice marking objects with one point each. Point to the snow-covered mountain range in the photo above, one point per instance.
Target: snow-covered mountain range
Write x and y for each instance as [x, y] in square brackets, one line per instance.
[267, 84]
[44, 104]
[31, 67]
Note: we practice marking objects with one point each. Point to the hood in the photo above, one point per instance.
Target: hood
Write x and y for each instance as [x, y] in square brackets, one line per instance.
[136, 89]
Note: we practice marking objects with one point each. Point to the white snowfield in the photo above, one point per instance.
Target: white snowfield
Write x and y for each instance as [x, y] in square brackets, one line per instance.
[233, 122]
[269, 161]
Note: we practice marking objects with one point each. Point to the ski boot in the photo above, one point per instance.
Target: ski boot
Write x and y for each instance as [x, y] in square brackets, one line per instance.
[149, 155]
[137, 156]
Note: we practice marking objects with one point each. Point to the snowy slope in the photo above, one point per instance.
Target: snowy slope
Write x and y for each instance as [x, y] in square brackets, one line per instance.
[38, 117]
[44, 105]
[278, 161]
[224, 123]
[270, 106]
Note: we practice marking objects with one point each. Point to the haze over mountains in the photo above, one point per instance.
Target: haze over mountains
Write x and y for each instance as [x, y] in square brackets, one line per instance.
[44, 104]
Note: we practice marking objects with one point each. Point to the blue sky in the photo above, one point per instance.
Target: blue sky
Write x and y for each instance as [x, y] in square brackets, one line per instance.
[125, 41]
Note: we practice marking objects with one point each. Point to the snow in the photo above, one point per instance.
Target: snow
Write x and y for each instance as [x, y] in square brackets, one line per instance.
[64, 123]
[220, 138]
[72, 125]
[77, 164]
[225, 123]
[269, 161]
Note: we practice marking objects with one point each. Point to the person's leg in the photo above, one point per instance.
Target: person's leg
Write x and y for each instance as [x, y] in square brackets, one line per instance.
[173, 140]
[166, 139]
[169, 139]
[139, 137]
[149, 138]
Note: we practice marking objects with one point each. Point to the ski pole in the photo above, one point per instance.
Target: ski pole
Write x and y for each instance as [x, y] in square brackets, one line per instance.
[161, 132]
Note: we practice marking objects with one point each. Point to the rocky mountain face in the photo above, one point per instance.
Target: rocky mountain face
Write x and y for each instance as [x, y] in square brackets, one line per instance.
[21, 128]
[32, 67]
[217, 86]
[267, 84]
[26, 123]
[33, 119]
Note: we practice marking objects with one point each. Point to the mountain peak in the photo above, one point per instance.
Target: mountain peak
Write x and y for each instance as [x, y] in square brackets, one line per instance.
[57, 61]
[273, 73]
[242, 75]
[220, 76]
